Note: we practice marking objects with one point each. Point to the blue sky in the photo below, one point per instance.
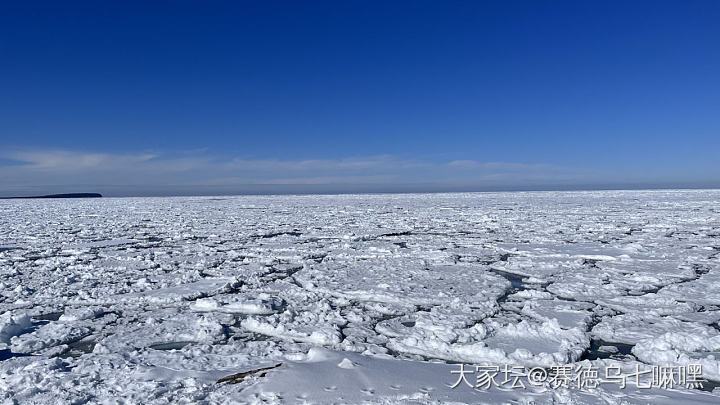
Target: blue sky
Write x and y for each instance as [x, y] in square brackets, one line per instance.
[138, 97]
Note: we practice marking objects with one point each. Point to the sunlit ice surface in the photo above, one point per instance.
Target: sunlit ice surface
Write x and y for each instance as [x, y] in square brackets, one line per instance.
[361, 298]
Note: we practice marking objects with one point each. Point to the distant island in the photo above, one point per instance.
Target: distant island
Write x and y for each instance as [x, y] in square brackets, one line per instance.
[67, 195]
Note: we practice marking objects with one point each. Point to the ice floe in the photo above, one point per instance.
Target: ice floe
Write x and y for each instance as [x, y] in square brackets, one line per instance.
[356, 298]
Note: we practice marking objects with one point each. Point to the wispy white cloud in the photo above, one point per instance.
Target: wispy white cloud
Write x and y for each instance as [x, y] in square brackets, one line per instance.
[507, 166]
[346, 164]
[55, 169]
[72, 161]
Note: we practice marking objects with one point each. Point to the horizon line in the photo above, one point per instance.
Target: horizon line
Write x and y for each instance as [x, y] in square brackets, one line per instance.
[447, 190]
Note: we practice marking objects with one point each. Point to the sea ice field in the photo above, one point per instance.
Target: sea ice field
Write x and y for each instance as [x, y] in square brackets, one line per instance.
[360, 299]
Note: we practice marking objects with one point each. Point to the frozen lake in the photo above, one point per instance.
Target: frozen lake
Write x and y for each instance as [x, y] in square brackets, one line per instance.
[357, 298]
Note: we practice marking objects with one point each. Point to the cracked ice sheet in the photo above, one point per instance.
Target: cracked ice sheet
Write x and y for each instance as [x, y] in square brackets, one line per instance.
[697, 291]
[408, 282]
[153, 299]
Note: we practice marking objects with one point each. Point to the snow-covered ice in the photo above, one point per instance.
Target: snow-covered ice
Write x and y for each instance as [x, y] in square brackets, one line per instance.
[355, 298]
